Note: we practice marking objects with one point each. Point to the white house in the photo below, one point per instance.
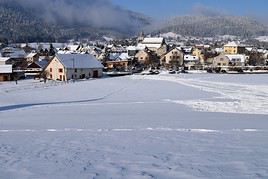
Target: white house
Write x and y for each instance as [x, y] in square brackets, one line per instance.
[190, 61]
[237, 59]
[64, 67]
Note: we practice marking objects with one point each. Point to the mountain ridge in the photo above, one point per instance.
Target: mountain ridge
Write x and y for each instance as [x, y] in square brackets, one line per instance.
[23, 23]
[208, 26]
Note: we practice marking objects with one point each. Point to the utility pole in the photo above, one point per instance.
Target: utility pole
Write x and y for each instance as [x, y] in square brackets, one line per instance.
[74, 73]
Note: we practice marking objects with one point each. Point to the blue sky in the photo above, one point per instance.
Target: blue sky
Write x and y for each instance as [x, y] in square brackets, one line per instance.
[167, 8]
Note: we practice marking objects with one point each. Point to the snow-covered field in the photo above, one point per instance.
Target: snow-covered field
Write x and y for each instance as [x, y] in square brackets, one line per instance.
[164, 126]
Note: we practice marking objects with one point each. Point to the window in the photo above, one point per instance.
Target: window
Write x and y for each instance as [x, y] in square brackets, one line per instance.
[51, 76]
[50, 69]
[60, 70]
[75, 70]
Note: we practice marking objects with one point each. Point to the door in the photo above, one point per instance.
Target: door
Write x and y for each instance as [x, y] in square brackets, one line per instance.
[95, 74]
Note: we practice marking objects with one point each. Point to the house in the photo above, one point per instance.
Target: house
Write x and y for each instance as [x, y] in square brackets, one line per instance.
[234, 48]
[173, 57]
[119, 62]
[14, 53]
[236, 60]
[16, 57]
[92, 50]
[132, 51]
[220, 61]
[190, 61]
[229, 60]
[144, 57]
[32, 57]
[199, 53]
[73, 48]
[35, 68]
[65, 67]
[156, 44]
[5, 72]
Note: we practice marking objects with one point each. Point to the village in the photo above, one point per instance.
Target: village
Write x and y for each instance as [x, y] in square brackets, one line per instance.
[146, 55]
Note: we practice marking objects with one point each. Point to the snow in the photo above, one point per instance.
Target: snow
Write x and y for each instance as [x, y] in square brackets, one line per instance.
[31, 55]
[4, 59]
[231, 44]
[108, 39]
[170, 35]
[136, 127]
[262, 38]
[153, 42]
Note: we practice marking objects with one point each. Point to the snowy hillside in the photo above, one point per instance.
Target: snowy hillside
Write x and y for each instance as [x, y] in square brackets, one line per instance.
[212, 26]
[167, 126]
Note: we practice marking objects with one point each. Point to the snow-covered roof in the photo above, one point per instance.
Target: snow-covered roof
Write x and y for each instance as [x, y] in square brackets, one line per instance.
[5, 68]
[42, 62]
[131, 48]
[124, 56]
[219, 50]
[231, 44]
[262, 38]
[261, 50]
[31, 55]
[118, 56]
[79, 61]
[170, 35]
[14, 52]
[114, 56]
[153, 40]
[108, 39]
[110, 46]
[73, 47]
[140, 47]
[249, 49]
[4, 59]
[187, 49]
[236, 57]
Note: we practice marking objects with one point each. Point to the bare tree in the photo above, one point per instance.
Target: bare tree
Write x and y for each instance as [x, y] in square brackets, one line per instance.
[44, 75]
